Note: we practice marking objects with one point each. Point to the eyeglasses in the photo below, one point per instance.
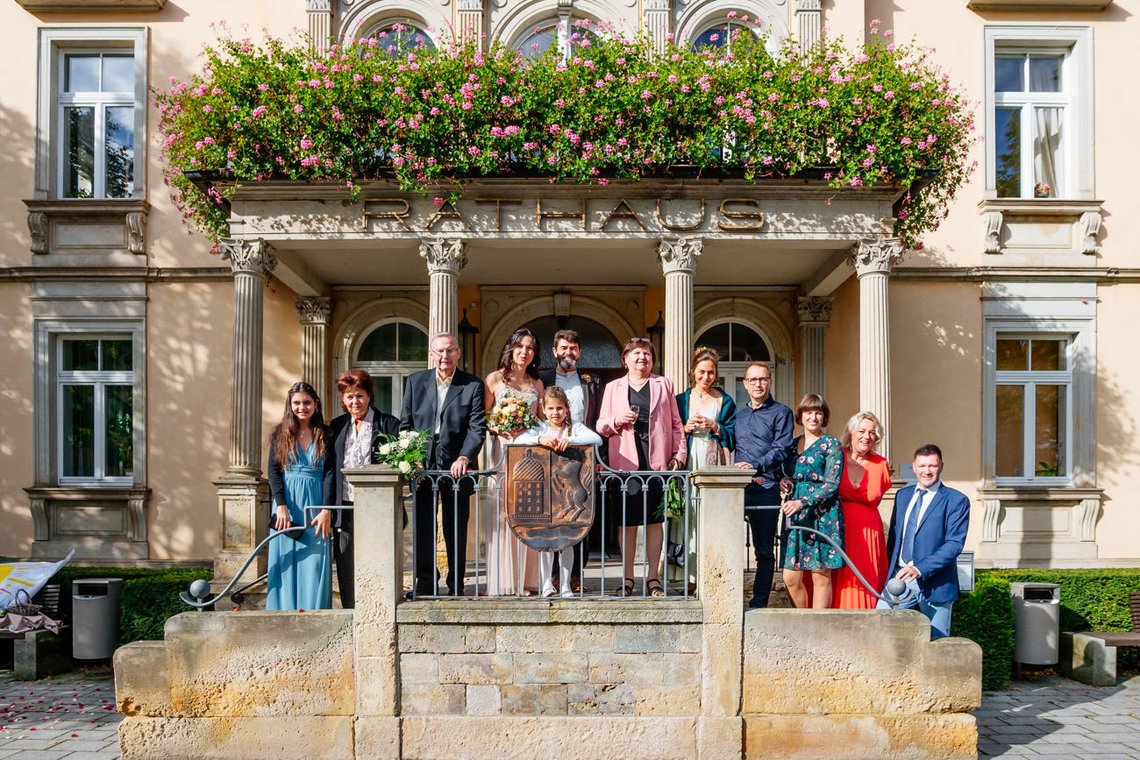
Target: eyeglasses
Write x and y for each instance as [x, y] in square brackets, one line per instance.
[646, 341]
[756, 380]
[442, 351]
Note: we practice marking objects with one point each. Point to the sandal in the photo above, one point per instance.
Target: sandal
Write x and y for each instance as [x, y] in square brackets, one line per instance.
[626, 588]
[655, 588]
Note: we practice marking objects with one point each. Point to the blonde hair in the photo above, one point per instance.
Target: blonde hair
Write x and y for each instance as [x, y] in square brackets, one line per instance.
[854, 422]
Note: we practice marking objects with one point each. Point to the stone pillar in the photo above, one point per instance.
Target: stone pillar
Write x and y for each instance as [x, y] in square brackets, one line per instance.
[469, 20]
[445, 259]
[656, 18]
[315, 312]
[873, 261]
[720, 575]
[320, 24]
[814, 315]
[808, 25]
[678, 261]
[379, 585]
[242, 494]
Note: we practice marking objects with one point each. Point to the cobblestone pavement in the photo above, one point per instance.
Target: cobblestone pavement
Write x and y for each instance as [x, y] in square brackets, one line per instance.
[1056, 717]
[70, 716]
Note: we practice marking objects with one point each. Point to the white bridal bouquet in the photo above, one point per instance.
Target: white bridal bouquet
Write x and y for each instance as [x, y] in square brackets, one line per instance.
[407, 452]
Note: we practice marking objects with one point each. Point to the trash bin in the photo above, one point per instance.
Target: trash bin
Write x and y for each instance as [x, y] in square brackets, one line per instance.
[1036, 623]
[95, 617]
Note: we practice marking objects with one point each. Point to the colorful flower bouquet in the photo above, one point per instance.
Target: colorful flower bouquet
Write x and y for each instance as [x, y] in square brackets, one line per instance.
[407, 452]
[511, 414]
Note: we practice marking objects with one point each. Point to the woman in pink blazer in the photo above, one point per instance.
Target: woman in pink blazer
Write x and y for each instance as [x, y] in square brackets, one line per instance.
[639, 419]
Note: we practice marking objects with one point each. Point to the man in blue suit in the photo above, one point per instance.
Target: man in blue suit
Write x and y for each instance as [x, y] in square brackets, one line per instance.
[928, 530]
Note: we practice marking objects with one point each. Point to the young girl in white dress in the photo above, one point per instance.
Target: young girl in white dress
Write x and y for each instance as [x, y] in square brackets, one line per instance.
[557, 434]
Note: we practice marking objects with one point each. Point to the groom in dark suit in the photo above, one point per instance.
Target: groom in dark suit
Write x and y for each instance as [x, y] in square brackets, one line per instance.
[448, 403]
[584, 391]
[928, 530]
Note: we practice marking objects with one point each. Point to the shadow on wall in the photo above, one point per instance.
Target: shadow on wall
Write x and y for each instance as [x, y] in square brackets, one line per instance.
[17, 162]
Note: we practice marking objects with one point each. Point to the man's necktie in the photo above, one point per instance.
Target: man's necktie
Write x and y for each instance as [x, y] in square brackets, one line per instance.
[906, 552]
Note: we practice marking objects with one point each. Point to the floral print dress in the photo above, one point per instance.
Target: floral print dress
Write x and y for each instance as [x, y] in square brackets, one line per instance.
[818, 472]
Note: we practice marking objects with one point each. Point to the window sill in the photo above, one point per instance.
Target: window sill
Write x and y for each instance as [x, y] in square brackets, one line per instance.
[99, 522]
[55, 6]
[86, 227]
[1038, 5]
[1037, 225]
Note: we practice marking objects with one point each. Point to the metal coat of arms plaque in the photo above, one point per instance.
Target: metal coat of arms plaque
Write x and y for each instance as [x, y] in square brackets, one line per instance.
[550, 495]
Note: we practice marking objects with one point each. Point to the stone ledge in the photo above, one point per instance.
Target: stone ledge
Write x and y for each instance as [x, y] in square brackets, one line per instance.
[538, 612]
[297, 736]
[628, 738]
[860, 737]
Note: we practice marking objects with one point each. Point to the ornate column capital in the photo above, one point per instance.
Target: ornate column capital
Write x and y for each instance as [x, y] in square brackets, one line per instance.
[314, 310]
[814, 311]
[253, 257]
[876, 256]
[680, 254]
[443, 255]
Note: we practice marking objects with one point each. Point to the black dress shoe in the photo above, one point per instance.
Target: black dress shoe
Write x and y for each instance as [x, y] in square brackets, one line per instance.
[757, 604]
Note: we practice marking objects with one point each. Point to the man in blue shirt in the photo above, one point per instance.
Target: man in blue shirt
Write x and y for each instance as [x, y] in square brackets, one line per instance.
[764, 430]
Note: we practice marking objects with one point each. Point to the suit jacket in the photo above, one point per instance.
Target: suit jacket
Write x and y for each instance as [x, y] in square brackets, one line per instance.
[463, 425]
[591, 394]
[382, 423]
[666, 431]
[938, 540]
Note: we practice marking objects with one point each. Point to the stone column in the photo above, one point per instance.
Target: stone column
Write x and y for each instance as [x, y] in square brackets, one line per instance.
[315, 312]
[656, 18]
[241, 490]
[814, 315]
[873, 261]
[808, 26]
[379, 585]
[445, 259]
[720, 575]
[320, 24]
[678, 261]
[469, 20]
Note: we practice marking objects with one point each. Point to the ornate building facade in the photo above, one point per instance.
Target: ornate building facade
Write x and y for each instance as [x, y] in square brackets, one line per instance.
[144, 372]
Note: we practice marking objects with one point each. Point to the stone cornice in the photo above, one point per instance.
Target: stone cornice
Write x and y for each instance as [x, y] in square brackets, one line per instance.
[1102, 275]
[149, 274]
[90, 6]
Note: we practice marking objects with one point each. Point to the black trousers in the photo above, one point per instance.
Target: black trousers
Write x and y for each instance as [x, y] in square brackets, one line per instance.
[456, 511]
[763, 523]
[344, 557]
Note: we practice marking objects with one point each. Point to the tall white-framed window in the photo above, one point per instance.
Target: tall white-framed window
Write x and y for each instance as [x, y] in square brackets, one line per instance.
[1039, 384]
[390, 352]
[92, 113]
[1039, 115]
[564, 33]
[95, 388]
[401, 36]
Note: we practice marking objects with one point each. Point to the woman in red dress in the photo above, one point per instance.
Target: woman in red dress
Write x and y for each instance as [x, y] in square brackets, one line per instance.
[866, 477]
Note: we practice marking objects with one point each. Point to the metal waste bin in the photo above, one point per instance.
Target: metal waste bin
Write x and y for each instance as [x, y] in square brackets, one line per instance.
[1036, 623]
[95, 617]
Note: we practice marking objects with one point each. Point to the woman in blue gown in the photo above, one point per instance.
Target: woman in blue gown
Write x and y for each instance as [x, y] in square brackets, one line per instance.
[300, 566]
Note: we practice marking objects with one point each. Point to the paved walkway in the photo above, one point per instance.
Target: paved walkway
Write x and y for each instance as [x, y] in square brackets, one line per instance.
[72, 716]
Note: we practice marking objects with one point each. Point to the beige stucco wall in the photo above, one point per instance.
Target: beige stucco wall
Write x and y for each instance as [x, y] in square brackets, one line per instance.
[16, 432]
[841, 352]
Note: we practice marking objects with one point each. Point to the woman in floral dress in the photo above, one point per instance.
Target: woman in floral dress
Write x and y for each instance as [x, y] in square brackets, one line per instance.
[813, 503]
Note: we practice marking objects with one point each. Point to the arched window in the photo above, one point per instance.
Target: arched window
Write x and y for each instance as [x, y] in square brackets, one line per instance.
[719, 34]
[738, 345]
[564, 35]
[391, 352]
[400, 37]
[600, 350]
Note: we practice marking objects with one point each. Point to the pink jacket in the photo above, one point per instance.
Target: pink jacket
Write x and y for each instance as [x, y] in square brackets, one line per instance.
[666, 431]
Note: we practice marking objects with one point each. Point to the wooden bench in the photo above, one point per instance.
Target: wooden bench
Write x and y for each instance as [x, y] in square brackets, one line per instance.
[1090, 656]
[40, 653]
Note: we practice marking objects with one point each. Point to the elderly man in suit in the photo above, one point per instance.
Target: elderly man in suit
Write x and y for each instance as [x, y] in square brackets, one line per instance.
[928, 530]
[448, 403]
[584, 392]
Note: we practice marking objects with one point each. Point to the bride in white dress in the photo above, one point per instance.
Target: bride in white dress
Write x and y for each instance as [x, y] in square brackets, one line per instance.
[512, 568]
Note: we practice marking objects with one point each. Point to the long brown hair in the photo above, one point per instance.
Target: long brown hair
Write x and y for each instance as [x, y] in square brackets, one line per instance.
[506, 360]
[285, 434]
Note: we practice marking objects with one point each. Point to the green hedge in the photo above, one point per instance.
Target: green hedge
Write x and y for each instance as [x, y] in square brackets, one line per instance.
[150, 596]
[1091, 600]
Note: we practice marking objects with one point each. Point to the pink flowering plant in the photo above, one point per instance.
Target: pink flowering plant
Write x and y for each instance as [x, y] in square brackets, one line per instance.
[879, 114]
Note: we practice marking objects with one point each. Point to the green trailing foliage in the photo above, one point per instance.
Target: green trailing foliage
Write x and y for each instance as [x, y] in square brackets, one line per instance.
[1091, 600]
